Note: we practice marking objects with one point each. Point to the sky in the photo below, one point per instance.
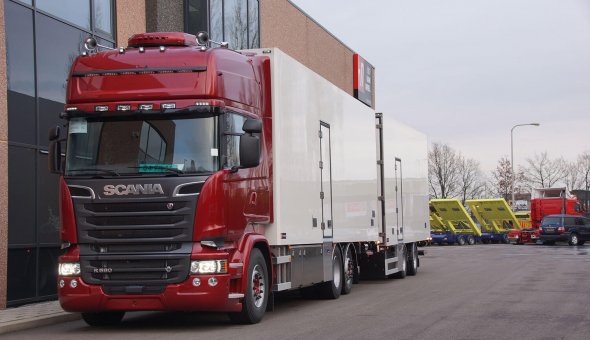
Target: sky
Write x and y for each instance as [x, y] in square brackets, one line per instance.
[466, 71]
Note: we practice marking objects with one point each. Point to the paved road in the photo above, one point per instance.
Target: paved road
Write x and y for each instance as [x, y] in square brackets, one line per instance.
[470, 292]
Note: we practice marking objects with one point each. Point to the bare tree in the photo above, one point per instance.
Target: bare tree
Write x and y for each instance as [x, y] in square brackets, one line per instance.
[502, 179]
[470, 184]
[584, 169]
[543, 172]
[572, 177]
[443, 171]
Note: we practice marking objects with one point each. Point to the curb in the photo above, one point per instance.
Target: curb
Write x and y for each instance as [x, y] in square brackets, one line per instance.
[39, 321]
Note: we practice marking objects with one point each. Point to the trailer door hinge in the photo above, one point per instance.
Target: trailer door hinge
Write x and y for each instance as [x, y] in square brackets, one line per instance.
[379, 126]
[321, 165]
[320, 133]
[380, 198]
[321, 195]
[380, 162]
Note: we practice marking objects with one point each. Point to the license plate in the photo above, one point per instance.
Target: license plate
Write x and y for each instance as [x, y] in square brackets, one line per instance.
[550, 229]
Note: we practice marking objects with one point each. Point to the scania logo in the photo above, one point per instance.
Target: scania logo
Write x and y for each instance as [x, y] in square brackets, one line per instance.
[133, 189]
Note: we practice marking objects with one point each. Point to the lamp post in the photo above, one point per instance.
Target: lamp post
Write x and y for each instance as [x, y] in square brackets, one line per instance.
[512, 157]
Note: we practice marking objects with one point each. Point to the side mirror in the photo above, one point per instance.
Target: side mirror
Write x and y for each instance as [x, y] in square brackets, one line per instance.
[250, 144]
[55, 164]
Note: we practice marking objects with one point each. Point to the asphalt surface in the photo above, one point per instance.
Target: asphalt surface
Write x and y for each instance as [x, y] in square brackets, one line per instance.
[469, 292]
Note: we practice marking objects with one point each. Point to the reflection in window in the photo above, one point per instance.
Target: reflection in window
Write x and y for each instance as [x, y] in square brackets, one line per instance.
[235, 24]
[74, 11]
[216, 19]
[103, 16]
[253, 24]
[152, 146]
[234, 21]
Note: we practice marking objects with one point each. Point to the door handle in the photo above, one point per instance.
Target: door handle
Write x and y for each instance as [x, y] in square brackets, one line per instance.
[253, 197]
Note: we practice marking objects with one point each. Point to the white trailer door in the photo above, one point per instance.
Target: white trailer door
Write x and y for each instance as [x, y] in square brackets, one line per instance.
[326, 175]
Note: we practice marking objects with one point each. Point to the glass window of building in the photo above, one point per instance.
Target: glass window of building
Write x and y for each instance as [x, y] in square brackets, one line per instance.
[43, 38]
[234, 21]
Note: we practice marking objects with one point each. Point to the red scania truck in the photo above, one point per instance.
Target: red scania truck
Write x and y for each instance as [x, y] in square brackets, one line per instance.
[206, 179]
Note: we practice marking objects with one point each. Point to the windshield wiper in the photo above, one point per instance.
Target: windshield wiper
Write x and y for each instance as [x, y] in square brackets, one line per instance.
[158, 167]
[108, 171]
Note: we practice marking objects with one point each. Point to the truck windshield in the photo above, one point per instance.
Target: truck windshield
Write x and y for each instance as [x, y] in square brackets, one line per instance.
[142, 145]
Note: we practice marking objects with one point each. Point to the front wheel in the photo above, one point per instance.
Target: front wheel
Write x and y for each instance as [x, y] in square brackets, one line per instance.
[103, 319]
[333, 289]
[574, 240]
[256, 297]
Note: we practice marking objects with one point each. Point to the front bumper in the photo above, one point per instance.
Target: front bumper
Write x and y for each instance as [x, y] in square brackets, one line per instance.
[183, 296]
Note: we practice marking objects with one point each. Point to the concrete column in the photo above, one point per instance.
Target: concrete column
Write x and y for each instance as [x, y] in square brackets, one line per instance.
[131, 19]
[164, 15]
[3, 163]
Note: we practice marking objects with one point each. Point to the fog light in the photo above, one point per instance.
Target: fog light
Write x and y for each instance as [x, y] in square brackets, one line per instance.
[74, 283]
[62, 283]
[213, 282]
[196, 282]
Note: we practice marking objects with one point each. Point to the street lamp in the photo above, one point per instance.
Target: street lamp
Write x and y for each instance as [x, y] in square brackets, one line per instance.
[512, 157]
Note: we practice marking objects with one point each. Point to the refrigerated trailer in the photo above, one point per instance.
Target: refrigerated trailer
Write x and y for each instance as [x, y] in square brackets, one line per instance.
[205, 179]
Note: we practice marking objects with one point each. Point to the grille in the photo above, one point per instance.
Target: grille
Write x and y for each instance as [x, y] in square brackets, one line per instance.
[165, 221]
[134, 248]
[133, 271]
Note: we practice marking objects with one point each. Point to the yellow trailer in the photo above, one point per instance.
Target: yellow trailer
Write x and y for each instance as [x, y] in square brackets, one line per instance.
[495, 218]
[454, 225]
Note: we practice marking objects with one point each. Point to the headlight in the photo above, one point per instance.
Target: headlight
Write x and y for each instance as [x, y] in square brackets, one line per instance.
[69, 269]
[209, 267]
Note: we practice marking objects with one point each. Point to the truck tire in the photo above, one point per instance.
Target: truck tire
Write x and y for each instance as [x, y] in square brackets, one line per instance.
[470, 240]
[461, 241]
[403, 270]
[257, 292]
[574, 239]
[412, 259]
[332, 289]
[103, 319]
[349, 270]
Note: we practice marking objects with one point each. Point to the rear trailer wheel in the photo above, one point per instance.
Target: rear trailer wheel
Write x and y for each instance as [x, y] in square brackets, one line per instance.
[333, 289]
[256, 296]
[470, 240]
[574, 240]
[412, 260]
[103, 319]
[404, 264]
[349, 269]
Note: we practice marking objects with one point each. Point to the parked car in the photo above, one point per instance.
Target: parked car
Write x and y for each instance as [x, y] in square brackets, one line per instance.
[575, 230]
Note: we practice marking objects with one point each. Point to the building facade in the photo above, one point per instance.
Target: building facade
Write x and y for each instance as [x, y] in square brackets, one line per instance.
[41, 38]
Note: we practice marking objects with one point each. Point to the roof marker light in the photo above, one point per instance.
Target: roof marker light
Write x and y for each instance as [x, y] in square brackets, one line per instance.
[146, 106]
[121, 50]
[123, 107]
[162, 48]
[201, 104]
[101, 108]
[168, 106]
[141, 49]
[73, 108]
